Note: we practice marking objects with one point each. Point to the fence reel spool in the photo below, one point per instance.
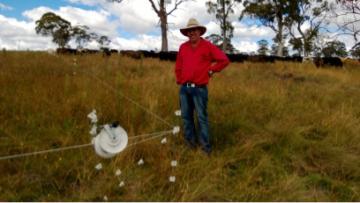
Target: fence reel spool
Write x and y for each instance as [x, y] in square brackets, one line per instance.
[111, 140]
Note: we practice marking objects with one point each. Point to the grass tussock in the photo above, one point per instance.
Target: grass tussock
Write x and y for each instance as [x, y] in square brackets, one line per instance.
[280, 132]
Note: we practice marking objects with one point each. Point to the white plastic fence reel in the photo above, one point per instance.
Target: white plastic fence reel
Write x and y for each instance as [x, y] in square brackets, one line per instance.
[110, 141]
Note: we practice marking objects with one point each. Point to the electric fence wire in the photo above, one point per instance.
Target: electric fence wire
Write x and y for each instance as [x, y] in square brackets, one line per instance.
[153, 135]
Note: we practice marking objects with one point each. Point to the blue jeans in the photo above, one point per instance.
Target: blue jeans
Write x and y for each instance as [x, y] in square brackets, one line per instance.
[195, 98]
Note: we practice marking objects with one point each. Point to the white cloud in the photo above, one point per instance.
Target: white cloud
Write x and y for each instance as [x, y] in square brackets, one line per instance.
[20, 35]
[243, 31]
[245, 46]
[17, 34]
[141, 42]
[85, 2]
[4, 7]
[99, 23]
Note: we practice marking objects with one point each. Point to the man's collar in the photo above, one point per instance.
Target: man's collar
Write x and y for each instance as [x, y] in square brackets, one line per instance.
[200, 42]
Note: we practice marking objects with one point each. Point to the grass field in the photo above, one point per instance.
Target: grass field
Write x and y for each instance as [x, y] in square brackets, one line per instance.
[280, 132]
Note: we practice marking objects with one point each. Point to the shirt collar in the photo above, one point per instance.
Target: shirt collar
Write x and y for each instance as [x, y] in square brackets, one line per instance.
[200, 42]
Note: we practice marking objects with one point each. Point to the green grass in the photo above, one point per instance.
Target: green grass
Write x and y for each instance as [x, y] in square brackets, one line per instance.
[280, 132]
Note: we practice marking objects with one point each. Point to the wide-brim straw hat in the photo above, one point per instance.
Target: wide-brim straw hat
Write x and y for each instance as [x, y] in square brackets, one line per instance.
[193, 23]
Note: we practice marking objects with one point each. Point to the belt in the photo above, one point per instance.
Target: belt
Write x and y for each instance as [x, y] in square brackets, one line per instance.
[193, 85]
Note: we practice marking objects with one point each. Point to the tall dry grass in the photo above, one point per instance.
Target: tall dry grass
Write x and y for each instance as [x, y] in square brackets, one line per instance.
[280, 132]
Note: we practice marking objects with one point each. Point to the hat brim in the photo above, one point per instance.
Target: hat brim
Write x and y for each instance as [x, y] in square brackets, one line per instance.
[185, 30]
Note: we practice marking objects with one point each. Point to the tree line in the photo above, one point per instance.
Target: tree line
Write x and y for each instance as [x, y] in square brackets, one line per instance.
[62, 32]
[303, 24]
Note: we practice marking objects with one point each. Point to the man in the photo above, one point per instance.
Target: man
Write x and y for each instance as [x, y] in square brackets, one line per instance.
[196, 62]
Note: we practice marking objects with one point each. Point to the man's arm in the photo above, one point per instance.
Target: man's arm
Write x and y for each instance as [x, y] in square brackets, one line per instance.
[221, 60]
[178, 67]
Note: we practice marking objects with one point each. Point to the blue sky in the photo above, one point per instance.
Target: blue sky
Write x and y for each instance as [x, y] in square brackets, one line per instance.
[130, 25]
[18, 6]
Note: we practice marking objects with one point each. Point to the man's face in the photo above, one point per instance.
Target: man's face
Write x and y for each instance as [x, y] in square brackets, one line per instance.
[194, 35]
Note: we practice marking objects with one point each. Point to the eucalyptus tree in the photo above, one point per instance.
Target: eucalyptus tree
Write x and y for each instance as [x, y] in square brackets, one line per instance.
[355, 51]
[272, 14]
[263, 47]
[218, 41]
[334, 48]
[81, 35]
[275, 47]
[222, 10]
[311, 13]
[103, 41]
[160, 8]
[53, 25]
[346, 14]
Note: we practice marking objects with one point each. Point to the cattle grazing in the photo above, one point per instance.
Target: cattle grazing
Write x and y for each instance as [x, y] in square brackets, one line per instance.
[261, 59]
[240, 58]
[114, 51]
[328, 61]
[168, 56]
[106, 52]
[65, 51]
[149, 54]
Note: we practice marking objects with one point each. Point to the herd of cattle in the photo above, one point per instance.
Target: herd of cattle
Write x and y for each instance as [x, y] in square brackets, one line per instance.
[171, 56]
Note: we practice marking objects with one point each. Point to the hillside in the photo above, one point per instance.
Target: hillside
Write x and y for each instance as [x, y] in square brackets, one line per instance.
[280, 132]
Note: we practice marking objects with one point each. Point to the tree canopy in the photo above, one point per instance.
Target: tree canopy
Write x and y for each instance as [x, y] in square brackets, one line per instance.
[62, 32]
[53, 25]
[334, 48]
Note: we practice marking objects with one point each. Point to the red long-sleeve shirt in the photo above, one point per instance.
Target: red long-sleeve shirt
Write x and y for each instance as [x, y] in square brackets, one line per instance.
[193, 64]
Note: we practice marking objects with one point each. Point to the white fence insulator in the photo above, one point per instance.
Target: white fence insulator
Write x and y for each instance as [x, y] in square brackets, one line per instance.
[176, 130]
[173, 163]
[140, 162]
[163, 141]
[118, 172]
[172, 179]
[122, 184]
[98, 166]
[92, 116]
[178, 113]
[93, 130]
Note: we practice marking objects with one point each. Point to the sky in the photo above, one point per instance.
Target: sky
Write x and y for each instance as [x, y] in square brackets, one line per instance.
[131, 25]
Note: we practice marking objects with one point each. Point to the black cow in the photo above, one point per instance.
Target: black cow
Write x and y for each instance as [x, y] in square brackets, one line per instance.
[168, 56]
[66, 51]
[237, 57]
[262, 59]
[149, 54]
[106, 52]
[328, 61]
